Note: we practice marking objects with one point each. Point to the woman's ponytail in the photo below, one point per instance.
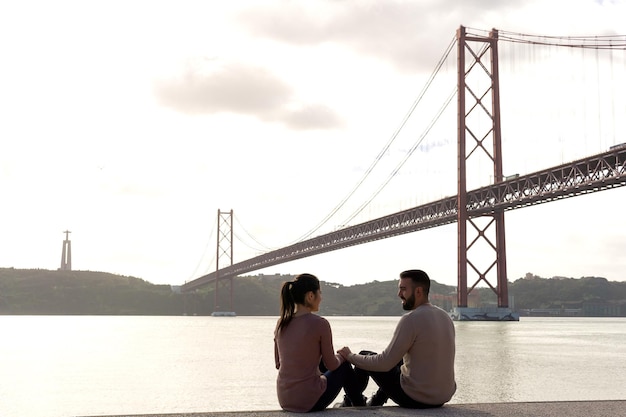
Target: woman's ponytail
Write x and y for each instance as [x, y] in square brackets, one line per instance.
[287, 305]
[292, 293]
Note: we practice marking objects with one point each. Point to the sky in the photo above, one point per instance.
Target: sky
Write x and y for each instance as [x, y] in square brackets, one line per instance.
[131, 123]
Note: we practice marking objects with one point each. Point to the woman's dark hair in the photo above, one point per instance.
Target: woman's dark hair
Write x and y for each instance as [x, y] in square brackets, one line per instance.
[419, 278]
[293, 293]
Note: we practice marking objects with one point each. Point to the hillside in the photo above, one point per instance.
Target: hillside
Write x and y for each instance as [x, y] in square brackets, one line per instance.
[38, 291]
[43, 292]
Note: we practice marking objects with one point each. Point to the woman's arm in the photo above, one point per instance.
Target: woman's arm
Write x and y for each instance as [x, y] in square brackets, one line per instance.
[331, 360]
[276, 357]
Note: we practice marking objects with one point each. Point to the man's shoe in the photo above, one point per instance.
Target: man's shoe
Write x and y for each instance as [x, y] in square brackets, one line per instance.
[377, 400]
[345, 403]
[348, 403]
[362, 402]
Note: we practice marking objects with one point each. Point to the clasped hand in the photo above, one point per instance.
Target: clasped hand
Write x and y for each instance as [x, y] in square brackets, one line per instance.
[344, 352]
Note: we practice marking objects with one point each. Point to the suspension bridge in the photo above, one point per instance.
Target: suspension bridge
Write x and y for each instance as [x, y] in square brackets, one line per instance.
[478, 212]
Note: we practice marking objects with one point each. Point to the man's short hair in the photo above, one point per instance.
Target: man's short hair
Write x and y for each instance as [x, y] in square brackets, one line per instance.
[418, 277]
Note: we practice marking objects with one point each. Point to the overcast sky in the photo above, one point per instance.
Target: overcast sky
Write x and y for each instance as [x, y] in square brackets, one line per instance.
[130, 123]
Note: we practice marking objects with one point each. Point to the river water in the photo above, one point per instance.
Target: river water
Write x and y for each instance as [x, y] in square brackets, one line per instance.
[58, 366]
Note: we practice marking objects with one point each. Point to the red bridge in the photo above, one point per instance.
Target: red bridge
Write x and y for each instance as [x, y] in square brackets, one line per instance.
[587, 175]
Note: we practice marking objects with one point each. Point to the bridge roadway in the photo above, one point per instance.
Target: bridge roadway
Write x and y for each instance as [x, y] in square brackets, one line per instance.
[594, 173]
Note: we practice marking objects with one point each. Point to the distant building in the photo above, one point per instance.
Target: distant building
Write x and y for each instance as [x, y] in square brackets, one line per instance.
[604, 309]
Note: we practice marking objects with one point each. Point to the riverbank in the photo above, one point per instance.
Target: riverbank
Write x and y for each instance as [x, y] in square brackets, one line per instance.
[523, 409]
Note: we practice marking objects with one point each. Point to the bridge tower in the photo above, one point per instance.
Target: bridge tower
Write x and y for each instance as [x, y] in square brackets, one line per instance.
[66, 255]
[479, 143]
[224, 252]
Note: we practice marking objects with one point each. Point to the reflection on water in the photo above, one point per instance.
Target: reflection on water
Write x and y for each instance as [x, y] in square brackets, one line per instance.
[85, 365]
[485, 364]
[541, 359]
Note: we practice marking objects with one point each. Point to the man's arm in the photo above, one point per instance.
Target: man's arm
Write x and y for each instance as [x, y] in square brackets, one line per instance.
[399, 345]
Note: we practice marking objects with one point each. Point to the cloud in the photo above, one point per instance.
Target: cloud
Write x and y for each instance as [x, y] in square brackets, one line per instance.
[313, 116]
[409, 35]
[207, 86]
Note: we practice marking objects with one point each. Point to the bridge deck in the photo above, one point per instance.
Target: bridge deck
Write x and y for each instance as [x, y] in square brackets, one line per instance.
[591, 174]
[532, 409]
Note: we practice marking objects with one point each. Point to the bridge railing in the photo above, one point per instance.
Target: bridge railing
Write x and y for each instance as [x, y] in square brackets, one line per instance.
[595, 173]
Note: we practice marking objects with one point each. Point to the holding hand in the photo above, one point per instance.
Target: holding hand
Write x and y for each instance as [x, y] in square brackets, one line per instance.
[344, 352]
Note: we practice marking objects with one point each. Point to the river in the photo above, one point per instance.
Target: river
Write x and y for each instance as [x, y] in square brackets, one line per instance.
[59, 366]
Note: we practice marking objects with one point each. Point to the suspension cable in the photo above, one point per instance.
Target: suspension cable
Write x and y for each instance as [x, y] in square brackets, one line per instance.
[265, 247]
[380, 155]
[246, 244]
[611, 42]
[204, 252]
[406, 157]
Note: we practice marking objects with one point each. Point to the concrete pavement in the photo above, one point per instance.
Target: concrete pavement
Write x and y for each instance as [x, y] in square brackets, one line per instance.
[530, 409]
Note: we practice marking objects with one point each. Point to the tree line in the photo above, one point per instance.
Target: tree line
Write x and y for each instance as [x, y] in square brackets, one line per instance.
[47, 292]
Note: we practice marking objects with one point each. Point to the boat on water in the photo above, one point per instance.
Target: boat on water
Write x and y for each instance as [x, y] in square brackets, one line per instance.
[483, 314]
[223, 314]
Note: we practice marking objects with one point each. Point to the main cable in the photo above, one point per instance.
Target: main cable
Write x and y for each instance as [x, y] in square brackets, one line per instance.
[385, 148]
[204, 252]
[263, 247]
[611, 42]
[406, 157]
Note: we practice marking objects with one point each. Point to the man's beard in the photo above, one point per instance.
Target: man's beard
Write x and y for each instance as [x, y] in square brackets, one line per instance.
[409, 303]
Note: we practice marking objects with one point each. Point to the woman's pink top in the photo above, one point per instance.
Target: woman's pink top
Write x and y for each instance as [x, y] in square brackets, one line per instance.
[298, 349]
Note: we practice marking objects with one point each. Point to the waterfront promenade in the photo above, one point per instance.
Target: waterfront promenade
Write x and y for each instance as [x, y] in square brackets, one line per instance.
[528, 409]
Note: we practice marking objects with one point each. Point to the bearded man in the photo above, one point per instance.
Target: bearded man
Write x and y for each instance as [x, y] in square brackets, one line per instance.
[416, 369]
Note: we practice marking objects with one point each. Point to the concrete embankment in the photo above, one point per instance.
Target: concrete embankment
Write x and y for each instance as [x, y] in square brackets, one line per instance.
[531, 409]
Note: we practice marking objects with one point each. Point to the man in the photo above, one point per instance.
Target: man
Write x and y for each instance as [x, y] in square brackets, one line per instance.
[416, 369]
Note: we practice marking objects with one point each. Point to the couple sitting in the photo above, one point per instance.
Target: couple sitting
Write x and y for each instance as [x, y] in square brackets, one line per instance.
[416, 369]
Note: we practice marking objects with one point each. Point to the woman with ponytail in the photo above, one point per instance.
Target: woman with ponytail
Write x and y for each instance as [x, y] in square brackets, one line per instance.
[302, 342]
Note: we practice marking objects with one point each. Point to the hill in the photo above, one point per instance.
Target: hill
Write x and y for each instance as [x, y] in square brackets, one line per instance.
[39, 291]
[45, 292]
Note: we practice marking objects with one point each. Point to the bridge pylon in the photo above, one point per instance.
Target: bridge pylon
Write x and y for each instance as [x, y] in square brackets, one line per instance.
[224, 253]
[479, 144]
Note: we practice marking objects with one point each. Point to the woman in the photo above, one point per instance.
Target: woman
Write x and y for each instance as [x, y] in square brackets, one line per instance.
[301, 339]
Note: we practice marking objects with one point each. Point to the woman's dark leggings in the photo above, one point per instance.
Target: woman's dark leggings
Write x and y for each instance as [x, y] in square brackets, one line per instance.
[342, 377]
